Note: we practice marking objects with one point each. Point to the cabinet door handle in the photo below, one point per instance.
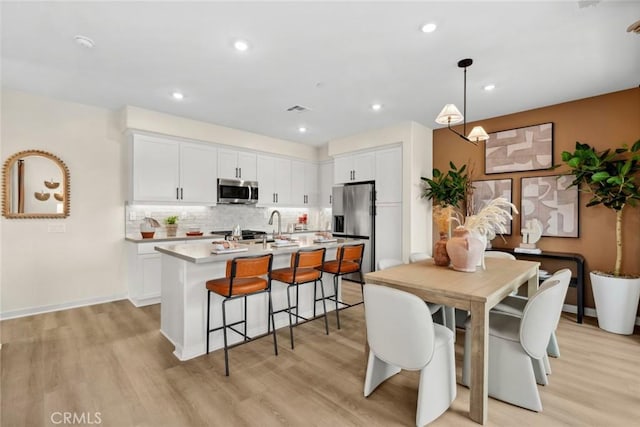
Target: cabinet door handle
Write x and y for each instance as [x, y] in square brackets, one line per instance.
[240, 173]
[273, 197]
[177, 193]
[330, 197]
[277, 197]
[181, 193]
[236, 172]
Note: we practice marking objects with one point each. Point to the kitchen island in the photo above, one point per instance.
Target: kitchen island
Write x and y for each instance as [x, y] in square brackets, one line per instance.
[187, 267]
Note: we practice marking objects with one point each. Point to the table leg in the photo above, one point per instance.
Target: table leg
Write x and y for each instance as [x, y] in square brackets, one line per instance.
[479, 362]
[532, 285]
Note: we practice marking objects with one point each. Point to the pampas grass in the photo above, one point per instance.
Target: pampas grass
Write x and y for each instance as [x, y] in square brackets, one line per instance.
[492, 218]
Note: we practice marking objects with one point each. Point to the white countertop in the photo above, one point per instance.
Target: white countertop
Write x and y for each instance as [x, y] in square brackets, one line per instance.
[160, 236]
[200, 253]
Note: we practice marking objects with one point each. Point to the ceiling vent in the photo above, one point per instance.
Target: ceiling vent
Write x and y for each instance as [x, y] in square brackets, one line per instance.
[298, 108]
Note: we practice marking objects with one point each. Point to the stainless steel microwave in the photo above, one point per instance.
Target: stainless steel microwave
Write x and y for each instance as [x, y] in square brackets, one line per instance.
[237, 191]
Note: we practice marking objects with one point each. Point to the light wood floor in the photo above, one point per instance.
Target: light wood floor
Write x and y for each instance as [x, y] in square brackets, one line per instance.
[112, 359]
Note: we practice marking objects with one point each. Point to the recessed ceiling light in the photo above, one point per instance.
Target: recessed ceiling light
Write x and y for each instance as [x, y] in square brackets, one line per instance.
[302, 129]
[429, 28]
[179, 96]
[241, 45]
[376, 107]
[84, 41]
[489, 87]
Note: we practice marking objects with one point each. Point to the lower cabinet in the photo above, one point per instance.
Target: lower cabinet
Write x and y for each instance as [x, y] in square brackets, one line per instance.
[144, 273]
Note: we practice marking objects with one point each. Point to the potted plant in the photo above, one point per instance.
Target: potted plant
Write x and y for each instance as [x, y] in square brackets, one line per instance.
[172, 225]
[611, 178]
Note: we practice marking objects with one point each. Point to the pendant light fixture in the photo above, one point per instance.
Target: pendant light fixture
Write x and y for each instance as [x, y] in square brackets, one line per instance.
[451, 115]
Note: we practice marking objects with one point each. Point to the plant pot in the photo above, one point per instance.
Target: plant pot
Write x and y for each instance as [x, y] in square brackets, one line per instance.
[440, 256]
[171, 230]
[616, 301]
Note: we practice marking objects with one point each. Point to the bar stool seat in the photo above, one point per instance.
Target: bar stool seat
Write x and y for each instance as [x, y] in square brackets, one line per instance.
[306, 267]
[240, 286]
[335, 267]
[244, 276]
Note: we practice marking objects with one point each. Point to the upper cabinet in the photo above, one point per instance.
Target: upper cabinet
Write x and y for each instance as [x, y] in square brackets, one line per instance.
[325, 187]
[354, 167]
[166, 170]
[389, 175]
[304, 183]
[237, 164]
[274, 181]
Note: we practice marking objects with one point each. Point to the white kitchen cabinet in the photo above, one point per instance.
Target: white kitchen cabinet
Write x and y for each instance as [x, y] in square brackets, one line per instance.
[143, 273]
[167, 170]
[389, 175]
[237, 164]
[274, 181]
[354, 167]
[325, 187]
[388, 232]
[304, 183]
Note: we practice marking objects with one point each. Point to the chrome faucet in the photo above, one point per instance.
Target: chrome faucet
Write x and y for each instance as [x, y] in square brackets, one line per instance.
[279, 222]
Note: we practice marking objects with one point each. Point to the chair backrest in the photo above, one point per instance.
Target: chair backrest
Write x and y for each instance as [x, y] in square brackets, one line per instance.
[418, 256]
[308, 258]
[564, 277]
[399, 327]
[250, 266]
[540, 317]
[351, 253]
[388, 263]
[498, 254]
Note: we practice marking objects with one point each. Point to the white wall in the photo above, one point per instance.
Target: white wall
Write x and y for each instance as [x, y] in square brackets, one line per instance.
[41, 270]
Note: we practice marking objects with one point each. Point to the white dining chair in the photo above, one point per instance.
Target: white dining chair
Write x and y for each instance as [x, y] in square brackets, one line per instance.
[515, 305]
[516, 344]
[499, 254]
[390, 262]
[401, 335]
[418, 256]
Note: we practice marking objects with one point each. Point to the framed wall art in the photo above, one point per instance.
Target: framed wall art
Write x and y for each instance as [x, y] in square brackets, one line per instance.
[487, 190]
[551, 200]
[522, 149]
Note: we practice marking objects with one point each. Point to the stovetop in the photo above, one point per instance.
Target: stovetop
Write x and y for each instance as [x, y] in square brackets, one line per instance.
[246, 234]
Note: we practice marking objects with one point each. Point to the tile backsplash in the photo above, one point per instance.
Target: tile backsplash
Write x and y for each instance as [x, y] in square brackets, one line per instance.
[224, 217]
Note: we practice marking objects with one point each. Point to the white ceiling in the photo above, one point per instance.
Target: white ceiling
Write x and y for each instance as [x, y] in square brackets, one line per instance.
[336, 58]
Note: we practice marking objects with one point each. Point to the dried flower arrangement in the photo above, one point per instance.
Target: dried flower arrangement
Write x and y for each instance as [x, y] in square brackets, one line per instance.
[443, 216]
[492, 218]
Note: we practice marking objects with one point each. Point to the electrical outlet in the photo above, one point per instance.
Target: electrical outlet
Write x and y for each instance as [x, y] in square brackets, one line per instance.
[147, 214]
[184, 215]
[132, 216]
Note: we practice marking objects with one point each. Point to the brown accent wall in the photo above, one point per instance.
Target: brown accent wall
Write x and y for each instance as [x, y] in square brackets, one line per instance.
[604, 121]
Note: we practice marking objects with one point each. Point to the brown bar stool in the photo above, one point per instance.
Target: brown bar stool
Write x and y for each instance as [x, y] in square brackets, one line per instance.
[306, 267]
[348, 260]
[244, 277]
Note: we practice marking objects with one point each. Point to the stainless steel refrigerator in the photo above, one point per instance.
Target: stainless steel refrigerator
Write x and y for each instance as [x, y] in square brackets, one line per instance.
[353, 213]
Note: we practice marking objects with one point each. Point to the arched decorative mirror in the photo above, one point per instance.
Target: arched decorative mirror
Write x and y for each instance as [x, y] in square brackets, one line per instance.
[35, 185]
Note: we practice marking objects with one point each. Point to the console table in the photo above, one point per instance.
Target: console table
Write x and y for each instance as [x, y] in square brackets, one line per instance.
[577, 282]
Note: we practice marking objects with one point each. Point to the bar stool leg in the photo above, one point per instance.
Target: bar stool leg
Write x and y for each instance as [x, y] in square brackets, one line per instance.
[297, 302]
[315, 299]
[245, 319]
[208, 316]
[289, 312]
[324, 304]
[335, 296]
[224, 333]
[275, 339]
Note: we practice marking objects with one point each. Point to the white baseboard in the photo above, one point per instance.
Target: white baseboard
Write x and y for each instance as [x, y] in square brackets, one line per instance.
[57, 307]
[141, 302]
[591, 312]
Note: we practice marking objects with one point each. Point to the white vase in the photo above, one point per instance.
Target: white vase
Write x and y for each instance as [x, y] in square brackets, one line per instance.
[616, 301]
[484, 240]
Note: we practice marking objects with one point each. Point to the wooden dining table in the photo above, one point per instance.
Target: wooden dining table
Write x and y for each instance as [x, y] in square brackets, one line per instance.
[476, 292]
